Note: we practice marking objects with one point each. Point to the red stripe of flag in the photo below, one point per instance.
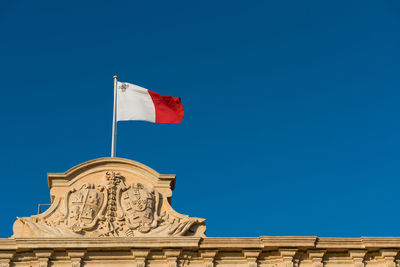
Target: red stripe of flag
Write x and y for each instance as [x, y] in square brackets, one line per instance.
[169, 109]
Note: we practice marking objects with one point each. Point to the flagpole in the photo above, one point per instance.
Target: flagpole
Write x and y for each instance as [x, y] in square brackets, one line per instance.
[114, 129]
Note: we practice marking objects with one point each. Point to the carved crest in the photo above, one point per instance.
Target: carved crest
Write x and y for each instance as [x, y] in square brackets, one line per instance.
[83, 207]
[138, 205]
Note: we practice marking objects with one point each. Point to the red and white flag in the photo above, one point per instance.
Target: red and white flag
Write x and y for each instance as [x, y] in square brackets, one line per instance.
[137, 103]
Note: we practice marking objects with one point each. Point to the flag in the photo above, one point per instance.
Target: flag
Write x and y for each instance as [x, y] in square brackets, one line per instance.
[137, 103]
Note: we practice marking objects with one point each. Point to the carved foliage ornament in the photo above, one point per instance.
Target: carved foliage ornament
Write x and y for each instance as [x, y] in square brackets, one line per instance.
[114, 210]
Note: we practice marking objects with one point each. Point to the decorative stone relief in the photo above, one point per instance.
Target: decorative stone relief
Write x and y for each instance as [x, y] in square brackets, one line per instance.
[83, 208]
[109, 208]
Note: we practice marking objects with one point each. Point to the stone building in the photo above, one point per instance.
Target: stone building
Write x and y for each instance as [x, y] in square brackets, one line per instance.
[117, 212]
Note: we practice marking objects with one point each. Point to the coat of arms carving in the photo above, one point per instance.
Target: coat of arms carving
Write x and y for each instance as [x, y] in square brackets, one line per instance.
[83, 207]
[138, 205]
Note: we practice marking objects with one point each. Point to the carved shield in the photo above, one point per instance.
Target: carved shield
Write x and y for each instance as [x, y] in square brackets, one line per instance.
[84, 206]
[138, 204]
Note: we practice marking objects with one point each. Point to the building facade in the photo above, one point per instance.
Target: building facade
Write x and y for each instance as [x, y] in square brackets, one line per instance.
[117, 212]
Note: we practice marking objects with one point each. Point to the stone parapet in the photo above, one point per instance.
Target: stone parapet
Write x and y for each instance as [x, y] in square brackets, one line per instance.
[197, 251]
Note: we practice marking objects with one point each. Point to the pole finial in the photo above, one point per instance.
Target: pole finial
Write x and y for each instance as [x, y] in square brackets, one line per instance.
[115, 77]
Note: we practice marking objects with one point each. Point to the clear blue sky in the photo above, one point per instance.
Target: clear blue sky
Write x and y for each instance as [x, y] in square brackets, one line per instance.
[292, 107]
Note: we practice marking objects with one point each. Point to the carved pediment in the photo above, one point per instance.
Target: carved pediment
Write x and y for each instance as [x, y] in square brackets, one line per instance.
[109, 197]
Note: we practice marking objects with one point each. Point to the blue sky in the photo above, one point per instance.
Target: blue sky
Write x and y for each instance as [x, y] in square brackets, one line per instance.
[291, 107]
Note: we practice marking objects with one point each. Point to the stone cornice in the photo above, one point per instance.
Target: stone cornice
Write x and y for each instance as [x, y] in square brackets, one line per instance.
[309, 242]
[62, 179]
[220, 243]
[97, 243]
[339, 242]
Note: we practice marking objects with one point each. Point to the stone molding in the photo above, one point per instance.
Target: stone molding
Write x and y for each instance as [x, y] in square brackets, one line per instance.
[206, 252]
[387, 245]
